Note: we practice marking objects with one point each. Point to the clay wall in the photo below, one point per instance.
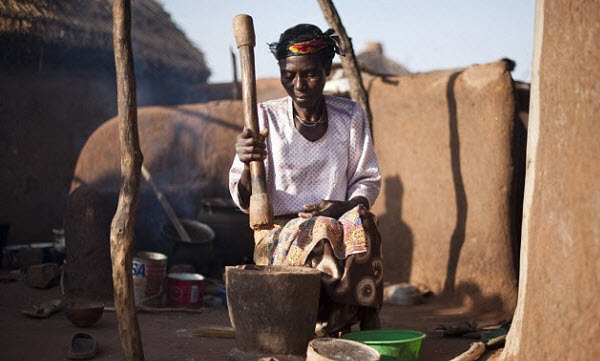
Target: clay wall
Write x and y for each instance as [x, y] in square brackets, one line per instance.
[445, 143]
[558, 313]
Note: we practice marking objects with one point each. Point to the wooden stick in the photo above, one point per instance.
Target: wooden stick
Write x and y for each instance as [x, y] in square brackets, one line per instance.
[183, 235]
[473, 353]
[349, 62]
[261, 209]
[123, 223]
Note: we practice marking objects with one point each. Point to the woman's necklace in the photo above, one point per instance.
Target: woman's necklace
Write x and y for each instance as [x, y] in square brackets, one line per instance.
[307, 123]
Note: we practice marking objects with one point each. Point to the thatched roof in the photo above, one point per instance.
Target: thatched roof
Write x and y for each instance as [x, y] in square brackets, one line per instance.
[87, 24]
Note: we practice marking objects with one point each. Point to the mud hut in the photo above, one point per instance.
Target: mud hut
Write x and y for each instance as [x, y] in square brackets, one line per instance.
[372, 63]
[57, 85]
[65, 35]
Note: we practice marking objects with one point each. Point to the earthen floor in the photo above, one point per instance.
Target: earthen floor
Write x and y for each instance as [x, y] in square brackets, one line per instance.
[164, 336]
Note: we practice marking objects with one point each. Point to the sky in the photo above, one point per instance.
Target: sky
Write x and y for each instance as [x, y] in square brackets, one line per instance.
[422, 35]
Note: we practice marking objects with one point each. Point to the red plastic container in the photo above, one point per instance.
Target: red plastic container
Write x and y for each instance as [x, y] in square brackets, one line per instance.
[185, 289]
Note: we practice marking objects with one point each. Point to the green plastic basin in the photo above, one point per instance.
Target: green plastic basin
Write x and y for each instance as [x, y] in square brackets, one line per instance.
[393, 345]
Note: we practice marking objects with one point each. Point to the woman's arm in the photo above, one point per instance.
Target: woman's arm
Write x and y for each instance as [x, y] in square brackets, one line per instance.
[248, 148]
[244, 187]
[364, 177]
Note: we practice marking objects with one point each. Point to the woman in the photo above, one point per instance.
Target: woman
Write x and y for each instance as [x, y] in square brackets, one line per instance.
[322, 177]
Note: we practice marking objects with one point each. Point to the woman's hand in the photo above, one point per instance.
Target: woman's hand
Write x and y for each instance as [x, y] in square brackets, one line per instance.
[251, 146]
[333, 209]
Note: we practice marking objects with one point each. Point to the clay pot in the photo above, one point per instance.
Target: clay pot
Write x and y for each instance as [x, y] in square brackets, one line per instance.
[84, 314]
[273, 309]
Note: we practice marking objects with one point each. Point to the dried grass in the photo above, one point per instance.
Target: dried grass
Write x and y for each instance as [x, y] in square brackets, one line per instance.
[213, 331]
[88, 24]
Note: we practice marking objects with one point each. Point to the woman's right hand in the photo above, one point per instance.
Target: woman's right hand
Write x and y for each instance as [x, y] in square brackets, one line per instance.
[250, 146]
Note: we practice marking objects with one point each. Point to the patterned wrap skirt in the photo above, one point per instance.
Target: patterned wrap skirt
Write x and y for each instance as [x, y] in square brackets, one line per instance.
[347, 251]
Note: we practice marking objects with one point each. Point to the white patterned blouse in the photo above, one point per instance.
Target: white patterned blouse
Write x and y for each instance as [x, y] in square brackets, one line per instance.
[338, 166]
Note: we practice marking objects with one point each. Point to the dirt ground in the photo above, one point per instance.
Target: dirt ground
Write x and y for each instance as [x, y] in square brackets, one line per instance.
[165, 339]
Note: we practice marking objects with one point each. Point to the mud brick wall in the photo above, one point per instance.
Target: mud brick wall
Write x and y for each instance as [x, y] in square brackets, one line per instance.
[558, 313]
[444, 143]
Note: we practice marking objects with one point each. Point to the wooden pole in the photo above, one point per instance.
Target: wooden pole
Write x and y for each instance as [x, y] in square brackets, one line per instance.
[261, 209]
[349, 62]
[123, 223]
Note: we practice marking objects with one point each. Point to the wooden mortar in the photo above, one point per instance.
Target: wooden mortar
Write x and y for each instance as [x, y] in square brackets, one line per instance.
[273, 309]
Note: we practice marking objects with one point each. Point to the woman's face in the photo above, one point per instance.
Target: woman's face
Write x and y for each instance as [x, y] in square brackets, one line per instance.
[303, 78]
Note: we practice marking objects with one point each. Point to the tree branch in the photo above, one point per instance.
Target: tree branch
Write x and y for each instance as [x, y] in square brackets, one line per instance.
[349, 62]
[123, 223]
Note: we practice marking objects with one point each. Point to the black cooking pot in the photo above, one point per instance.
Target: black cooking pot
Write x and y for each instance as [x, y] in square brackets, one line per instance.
[234, 239]
[199, 252]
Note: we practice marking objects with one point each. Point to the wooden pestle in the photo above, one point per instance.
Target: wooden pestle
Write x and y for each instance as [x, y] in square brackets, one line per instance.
[261, 209]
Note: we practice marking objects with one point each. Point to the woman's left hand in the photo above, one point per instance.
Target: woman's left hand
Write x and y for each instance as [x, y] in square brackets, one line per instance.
[327, 208]
[333, 209]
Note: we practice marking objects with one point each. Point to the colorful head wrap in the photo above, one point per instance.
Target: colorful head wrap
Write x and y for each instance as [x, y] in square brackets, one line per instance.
[306, 39]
